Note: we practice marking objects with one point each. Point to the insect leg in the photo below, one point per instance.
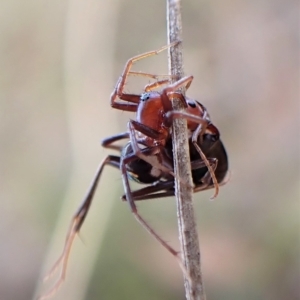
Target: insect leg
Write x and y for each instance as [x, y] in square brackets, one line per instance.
[139, 218]
[76, 224]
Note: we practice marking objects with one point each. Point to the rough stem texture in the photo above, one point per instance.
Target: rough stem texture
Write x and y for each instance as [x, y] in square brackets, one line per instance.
[188, 235]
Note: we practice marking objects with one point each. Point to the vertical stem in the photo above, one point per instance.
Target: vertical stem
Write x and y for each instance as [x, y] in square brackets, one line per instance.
[188, 235]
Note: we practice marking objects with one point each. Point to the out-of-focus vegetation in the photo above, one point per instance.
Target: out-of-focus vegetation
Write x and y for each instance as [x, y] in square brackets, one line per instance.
[59, 62]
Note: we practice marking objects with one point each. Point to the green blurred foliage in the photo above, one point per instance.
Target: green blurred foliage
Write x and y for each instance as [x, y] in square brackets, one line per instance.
[59, 61]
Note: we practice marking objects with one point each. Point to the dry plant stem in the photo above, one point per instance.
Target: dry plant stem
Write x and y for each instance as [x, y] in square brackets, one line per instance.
[188, 235]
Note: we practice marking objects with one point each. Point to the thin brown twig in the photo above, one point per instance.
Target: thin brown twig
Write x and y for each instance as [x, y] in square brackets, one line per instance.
[188, 235]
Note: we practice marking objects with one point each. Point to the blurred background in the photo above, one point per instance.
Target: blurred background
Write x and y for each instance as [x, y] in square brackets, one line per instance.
[59, 61]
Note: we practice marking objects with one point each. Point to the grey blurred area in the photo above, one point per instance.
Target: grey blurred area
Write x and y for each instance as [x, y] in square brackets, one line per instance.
[59, 61]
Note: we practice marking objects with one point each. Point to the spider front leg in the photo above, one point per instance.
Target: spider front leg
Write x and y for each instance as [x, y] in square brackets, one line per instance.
[132, 107]
[183, 82]
[154, 85]
[169, 93]
[119, 88]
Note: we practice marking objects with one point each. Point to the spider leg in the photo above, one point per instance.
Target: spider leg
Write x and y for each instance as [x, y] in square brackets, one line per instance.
[153, 76]
[108, 142]
[169, 93]
[118, 91]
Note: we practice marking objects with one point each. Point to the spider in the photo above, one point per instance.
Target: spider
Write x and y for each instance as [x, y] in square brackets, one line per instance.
[154, 116]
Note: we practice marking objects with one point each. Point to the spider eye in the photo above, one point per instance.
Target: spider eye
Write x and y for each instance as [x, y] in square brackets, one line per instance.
[192, 104]
[145, 96]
